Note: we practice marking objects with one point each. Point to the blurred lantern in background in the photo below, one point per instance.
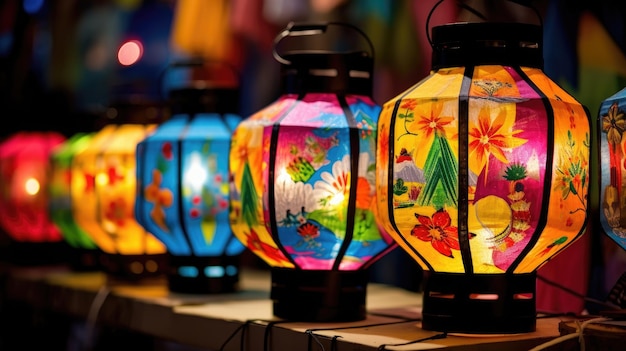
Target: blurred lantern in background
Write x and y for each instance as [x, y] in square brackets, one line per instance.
[611, 125]
[104, 186]
[302, 176]
[24, 182]
[612, 165]
[182, 194]
[84, 255]
[483, 175]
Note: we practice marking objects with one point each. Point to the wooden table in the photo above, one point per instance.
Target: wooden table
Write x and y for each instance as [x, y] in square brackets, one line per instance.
[244, 320]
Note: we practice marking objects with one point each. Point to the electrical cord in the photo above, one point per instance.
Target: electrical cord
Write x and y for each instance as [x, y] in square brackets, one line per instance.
[574, 293]
[579, 334]
[92, 315]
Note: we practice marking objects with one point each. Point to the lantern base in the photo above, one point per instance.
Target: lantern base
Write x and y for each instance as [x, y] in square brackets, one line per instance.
[203, 275]
[85, 260]
[479, 303]
[23, 253]
[319, 295]
[133, 267]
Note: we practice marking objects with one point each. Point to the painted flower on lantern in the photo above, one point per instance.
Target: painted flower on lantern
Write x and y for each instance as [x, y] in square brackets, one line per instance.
[491, 136]
[256, 245]
[438, 231]
[407, 115]
[572, 178]
[115, 213]
[90, 182]
[614, 125]
[434, 123]
[160, 197]
[113, 176]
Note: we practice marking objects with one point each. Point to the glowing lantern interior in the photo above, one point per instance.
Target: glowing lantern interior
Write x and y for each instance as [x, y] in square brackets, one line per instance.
[24, 169]
[104, 184]
[302, 183]
[483, 175]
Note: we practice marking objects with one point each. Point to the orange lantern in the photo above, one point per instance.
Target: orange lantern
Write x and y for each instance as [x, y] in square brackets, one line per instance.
[103, 183]
[483, 175]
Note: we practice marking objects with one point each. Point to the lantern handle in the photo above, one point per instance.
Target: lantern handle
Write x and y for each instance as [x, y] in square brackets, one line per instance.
[302, 29]
[461, 4]
[194, 62]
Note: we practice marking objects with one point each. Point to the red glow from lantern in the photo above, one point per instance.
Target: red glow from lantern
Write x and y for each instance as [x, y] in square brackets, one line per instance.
[24, 168]
[130, 52]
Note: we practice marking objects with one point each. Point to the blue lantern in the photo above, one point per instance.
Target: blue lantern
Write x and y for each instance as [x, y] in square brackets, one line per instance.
[612, 124]
[183, 194]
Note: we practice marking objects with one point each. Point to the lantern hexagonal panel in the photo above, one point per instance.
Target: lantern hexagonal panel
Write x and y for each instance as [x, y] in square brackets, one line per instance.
[483, 175]
[183, 192]
[302, 183]
[104, 184]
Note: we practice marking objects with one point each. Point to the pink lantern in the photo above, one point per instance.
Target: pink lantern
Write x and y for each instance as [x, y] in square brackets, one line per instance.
[24, 180]
[302, 180]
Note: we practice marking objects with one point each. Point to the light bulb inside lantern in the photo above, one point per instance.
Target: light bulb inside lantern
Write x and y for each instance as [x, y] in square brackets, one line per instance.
[31, 186]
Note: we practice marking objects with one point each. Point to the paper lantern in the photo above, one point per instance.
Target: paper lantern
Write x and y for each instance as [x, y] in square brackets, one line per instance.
[302, 182]
[183, 190]
[84, 251]
[104, 185]
[483, 175]
[612, 124]
[24, 173]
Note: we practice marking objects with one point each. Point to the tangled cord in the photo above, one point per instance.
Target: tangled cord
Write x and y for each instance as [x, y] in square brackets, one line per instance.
[579, 334]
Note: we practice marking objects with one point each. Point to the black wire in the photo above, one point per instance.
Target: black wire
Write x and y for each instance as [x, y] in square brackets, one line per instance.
[572, 292]
[266, 337]
[365, 325]
[390, 316]
[241, 328]
[333, 344]
[433, 337]
[314, 337]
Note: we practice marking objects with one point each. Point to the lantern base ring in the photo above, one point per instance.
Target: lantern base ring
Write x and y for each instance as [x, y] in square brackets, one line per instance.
[479, 303]
[319, 295]
[134, 268]
[203, 275]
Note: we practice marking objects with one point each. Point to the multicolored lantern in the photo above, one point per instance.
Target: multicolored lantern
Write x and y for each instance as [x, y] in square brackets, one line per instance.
[104, 184]
[612, 124]
[61, 207]
[182, 194]
[483, 175]
[24, 182]
[302, 178]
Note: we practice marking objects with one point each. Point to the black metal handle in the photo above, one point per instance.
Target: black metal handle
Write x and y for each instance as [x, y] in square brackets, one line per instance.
[461, 4]
[294, 29]
[195, 62]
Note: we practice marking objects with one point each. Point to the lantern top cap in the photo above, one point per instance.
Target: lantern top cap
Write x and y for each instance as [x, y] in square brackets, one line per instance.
[487, 43]
[204, 86]
[324, 57]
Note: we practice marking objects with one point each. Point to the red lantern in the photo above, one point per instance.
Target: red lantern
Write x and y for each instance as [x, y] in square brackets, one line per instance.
[24, 179]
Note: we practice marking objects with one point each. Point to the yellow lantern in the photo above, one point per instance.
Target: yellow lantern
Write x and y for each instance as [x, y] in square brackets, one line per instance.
[104, 186]
[483, 174]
